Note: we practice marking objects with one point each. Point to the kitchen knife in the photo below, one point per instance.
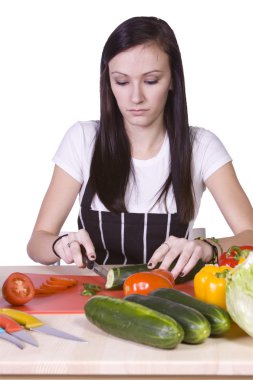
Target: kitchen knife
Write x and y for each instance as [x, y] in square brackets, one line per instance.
[32, 323]
[13, 328]
[4, 335]
[92, 265]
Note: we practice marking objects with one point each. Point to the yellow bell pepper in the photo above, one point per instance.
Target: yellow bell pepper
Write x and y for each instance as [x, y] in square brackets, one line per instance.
[242, 259]
[210, 284]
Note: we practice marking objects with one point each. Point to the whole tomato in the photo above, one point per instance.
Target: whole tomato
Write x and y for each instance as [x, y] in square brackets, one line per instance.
[144, 283]
[165, 274]
[18, 289]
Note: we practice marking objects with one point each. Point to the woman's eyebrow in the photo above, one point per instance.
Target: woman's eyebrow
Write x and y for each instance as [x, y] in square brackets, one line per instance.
[147, 73]
[118, 72]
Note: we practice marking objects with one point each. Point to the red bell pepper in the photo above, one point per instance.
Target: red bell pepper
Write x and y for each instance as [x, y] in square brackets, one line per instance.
[234, 255]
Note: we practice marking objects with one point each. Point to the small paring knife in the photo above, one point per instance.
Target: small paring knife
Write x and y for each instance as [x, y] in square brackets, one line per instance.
[13, 328]
[35, 324]
[92, 265]
[4, 335]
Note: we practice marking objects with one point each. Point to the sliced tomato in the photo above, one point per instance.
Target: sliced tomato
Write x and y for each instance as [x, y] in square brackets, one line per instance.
[18, 289]
[46, 288]
[62, 281]
[165, 274]
[144, 283]
[55, 285]
[44, 291]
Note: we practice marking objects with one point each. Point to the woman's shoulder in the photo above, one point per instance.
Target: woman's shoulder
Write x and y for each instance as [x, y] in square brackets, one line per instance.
[79, 138]
[86, 128]
[200, 133]
[209, 152]
[203, 138]
[75, 150]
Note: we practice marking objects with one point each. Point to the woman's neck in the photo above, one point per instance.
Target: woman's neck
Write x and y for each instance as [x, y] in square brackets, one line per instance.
[145, 142]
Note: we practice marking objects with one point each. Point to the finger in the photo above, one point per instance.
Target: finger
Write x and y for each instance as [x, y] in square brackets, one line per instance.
[73, 253]
[159, 254]
[183, 250]
[90, 250]
[64, 251]
[195, 257]
[186, 261]
[169, 258]
[86, 241]
[81, 238]
[174, 247]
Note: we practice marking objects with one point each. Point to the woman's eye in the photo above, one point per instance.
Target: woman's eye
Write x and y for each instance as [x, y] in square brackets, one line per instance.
[149, 82]
[121, 83]
[154, 81]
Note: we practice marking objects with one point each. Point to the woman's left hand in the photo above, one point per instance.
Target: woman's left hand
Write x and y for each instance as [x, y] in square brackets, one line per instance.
[188, 253]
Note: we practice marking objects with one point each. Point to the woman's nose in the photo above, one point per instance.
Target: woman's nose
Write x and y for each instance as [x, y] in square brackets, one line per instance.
[137, 95]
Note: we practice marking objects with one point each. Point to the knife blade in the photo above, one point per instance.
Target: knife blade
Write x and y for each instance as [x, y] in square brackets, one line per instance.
[13, 328]
[92, 265]
[32, 323]
[4, 335]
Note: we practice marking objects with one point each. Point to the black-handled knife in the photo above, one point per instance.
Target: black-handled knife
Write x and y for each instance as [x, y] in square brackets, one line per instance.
[92, 265]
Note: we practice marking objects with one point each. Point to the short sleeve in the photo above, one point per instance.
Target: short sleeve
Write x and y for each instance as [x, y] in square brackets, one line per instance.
[75, 150]
[209, 153]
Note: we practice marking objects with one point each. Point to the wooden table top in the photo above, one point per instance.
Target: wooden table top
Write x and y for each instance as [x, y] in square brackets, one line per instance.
[230, 356]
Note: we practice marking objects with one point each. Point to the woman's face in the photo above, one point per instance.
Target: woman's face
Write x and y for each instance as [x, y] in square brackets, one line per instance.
[140, 80]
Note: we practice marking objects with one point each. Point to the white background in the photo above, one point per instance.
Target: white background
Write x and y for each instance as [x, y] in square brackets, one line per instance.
[49, 78]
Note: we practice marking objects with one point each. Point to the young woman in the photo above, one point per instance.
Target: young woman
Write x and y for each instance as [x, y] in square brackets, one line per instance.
[140, 171]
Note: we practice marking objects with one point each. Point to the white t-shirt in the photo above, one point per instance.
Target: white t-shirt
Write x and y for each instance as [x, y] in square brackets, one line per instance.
[75, 153]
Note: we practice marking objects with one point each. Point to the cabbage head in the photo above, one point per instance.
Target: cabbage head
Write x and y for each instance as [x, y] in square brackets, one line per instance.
[239, 295]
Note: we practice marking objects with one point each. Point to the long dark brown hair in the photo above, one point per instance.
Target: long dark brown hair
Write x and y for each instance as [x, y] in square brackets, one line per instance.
[111, 163]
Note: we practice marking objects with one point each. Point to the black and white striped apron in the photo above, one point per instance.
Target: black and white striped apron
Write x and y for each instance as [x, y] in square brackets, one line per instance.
[126, 238]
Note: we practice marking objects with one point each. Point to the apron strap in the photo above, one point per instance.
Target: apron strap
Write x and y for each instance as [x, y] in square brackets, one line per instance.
[87, 196]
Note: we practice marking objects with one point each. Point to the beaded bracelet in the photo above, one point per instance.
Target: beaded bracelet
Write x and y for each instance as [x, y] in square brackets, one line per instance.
[214, 258]
[59, 238]
[218, 243]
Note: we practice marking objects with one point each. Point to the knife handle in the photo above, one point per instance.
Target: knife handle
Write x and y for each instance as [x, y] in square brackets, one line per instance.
[86, 261]
[27, 320]
[9, 324]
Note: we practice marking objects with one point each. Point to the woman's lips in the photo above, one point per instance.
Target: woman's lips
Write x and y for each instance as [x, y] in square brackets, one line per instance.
[138, 112]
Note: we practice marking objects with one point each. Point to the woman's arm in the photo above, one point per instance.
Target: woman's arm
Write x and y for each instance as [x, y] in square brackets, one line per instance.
[234, 205]
[236, 209]
[55, 208]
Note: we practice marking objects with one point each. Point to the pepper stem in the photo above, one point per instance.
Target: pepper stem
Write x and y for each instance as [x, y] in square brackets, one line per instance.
[222, 274]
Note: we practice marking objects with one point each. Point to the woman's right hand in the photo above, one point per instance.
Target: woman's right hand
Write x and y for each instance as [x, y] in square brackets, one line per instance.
[69, 250]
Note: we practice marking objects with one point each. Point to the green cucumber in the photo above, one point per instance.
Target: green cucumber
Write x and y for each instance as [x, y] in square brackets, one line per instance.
[130, 321]
[196, 327]
[218, 318]
[117, 275]
[189, 276]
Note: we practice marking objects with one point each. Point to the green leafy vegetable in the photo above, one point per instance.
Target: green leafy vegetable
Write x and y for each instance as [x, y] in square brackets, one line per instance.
[90, 289]
[239, 295]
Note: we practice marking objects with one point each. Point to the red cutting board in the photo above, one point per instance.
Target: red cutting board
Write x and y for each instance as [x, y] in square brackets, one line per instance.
[70, 301]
